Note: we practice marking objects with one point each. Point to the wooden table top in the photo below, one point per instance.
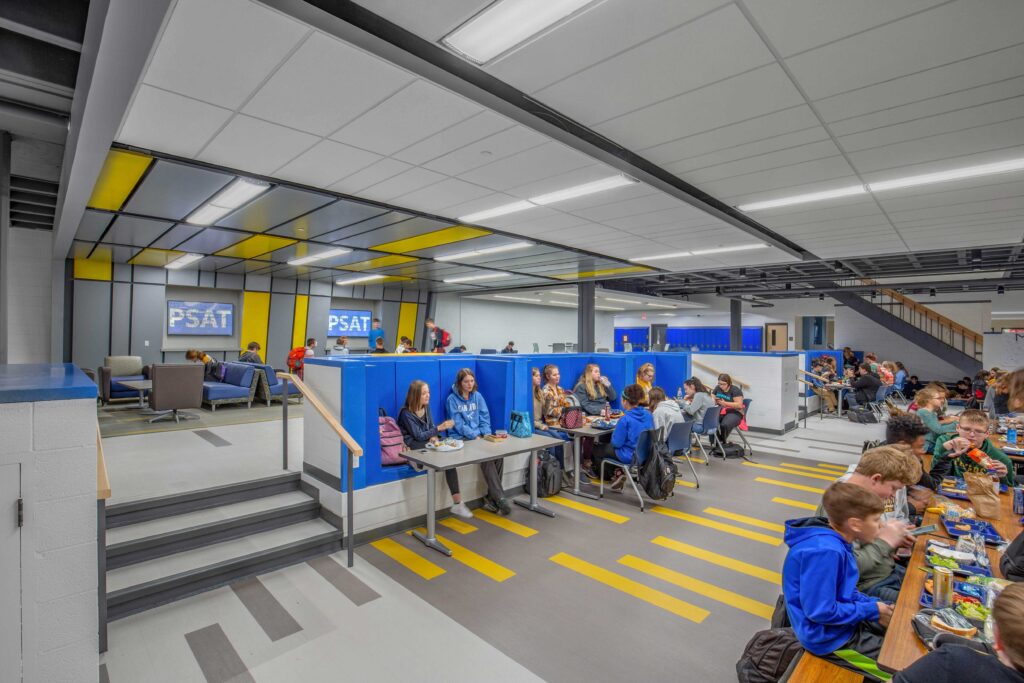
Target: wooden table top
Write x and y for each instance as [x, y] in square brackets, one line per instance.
[902, 647]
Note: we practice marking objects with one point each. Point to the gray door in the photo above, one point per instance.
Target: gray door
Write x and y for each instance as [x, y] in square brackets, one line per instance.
[10, 570]
[658, 333]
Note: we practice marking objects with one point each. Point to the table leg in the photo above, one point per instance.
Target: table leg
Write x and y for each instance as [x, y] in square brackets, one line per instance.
[532, 504]
[576, 455]
[839, 408]
[430, 540]
[141, 393]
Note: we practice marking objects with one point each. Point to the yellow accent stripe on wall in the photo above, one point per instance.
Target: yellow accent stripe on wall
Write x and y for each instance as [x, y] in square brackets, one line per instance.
[120, 174]
[425, 569]
[718, 526]
[299, 322]
[97, 267]
[407, 321]
[256, 321]
[773, 468]
[720, 560]
[456, 233]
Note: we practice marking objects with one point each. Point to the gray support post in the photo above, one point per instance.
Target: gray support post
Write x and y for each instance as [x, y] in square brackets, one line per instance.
[735, 325]
[585, 318]
[284, 421]
[5, 238]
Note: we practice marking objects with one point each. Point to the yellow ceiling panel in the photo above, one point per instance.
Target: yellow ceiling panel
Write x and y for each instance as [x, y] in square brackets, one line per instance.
[456, 233]
[155, 257]
[380, 262]
[256, 245]
[600, 273]
[120, 174]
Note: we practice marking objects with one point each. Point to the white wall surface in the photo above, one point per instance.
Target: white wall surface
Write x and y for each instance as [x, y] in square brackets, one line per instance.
[772, 385]
[28, 324]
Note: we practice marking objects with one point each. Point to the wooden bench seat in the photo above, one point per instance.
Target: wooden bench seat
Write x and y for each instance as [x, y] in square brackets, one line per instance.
[812, 669]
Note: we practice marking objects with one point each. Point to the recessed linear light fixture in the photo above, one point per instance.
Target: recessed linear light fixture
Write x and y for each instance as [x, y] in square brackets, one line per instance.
[700, 252]
[512, 207]
[517, 298]
[608, 308]
[621, 301]
[474, 278]
[561, 293]
[660, 305]
[227, 200]
[303, 260]
[506, 24]
[184, 260]
[357, 280]
[481, 252]
[601, 185]
[895, 184]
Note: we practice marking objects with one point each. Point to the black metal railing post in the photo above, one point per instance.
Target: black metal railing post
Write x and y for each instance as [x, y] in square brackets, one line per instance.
[349, 505]
[284, 423]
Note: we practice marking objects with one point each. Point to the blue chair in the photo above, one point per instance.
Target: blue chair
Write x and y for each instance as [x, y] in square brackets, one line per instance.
[643, 449]
[709, 426]
[679, 440]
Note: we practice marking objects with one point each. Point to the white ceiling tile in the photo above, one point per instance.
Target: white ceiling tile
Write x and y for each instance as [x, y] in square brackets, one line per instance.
[371, 175]
[484, 203]
[782, 178]
[221, 51]
[764, 162]
[163, 121]
[487, 150]
[324, 85]
[955, 31]
[430, 20]
[248, 144]
[683, 215]
[561, 181]
[613, 196]
[722, 42]
[746, 96]
[543, 161]
[461, 134]
[655, 202]
[992, 138]
[819, 185]
[445, 193]
[325, 163]
[403, 183]
[989, 188]
[816, 213]
[410, 115]
[540, 219]
[786, 141]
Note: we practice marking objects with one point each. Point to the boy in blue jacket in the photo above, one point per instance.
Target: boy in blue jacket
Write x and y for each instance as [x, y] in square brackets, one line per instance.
[831, 618]
[631, 425]
[467, 408]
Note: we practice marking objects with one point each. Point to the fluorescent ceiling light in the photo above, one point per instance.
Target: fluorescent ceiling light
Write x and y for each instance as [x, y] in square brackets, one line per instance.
[240, 191]
[517, 298]
[583, 190]
[301, 261]
[661, 257]
[473, 278]
[361, 278]
[946, 176]
[667, 315]
[723, 250]
[506, 24]
[561, 293]
[481, 252]
[609, 308]
[562, 303]
[621, 301]
[804, 198]
[660, 305]
[497, 211]
[184, 260]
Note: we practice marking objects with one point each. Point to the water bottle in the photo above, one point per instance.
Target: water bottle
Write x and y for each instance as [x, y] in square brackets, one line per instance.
[679, 394]
[607, 412]
[1011, 436]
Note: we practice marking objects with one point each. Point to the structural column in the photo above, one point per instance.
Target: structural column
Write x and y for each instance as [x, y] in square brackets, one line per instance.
[585, 318]
[735, 325]
[5, 240]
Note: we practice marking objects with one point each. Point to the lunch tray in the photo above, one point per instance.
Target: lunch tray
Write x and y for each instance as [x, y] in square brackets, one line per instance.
[926, 632]
[992, 536]
[968, 570]
[960, 492]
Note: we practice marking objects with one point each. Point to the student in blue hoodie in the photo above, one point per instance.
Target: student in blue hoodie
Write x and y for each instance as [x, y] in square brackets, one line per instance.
[831, 618]
[467, 408]
[631, 425]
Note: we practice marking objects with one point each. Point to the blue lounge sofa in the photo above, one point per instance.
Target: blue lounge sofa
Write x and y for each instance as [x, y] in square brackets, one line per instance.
[270, 388]
[239, 386]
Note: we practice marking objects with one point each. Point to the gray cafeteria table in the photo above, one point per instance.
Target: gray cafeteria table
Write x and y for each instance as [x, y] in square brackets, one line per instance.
[577, 435]
[472, 453]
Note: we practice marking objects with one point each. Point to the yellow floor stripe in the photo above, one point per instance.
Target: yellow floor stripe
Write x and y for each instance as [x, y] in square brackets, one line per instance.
[798, 487]
[721, 560]
[824, 477]
[491, 570]
[819, 470]
[708, 590]
[457, 525]
[700, 461]
[408, 559]
[795, 503]
[504, 523]
[752, 521]
[719, 526]
[587, 509]
[687, 484]
[832, 466]
[633, 588]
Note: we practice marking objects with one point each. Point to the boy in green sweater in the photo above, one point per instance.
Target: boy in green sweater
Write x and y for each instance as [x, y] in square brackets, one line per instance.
[972, 432]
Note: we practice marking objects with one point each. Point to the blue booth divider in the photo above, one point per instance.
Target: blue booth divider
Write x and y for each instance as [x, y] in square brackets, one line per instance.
[811, 354]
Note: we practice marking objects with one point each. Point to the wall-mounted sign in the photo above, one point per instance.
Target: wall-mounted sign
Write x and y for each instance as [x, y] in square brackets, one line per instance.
[345, 323]
[200, 318]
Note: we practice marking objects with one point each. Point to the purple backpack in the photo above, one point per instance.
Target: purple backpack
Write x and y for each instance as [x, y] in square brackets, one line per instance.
[392, 443]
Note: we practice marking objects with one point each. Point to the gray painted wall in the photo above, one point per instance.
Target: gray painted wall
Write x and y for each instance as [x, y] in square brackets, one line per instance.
[90, 335]
[148, 304]
[121, 319]
[279, 332]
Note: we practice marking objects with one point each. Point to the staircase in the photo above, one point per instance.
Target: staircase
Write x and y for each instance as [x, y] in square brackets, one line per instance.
[164, 549]
[919, 325]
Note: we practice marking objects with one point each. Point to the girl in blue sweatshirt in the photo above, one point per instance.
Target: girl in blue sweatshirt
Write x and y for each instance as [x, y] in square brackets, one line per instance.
[467, 408]
[636, 421]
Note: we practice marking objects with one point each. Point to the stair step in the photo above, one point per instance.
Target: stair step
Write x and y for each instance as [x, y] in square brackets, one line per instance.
[167, 535]
[145, 585]
[136, 511]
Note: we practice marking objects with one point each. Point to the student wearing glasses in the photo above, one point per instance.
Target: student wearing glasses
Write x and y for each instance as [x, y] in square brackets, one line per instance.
[971, 432]
[645, 380]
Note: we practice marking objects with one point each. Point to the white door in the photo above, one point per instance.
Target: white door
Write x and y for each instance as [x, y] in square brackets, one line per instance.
[10, 570]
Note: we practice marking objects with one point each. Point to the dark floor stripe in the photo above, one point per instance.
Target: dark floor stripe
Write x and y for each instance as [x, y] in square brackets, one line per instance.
[831, 441]
[104, 676]
[836, 450]
[217, 657]
[212, 438]
[270, 614]
[344, 580]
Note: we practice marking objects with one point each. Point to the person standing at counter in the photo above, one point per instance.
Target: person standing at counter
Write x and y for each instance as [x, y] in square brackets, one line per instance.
[467, 408]
[374, 334]
[417, 425]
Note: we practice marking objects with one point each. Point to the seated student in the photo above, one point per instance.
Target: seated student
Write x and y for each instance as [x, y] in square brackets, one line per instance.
[899, 380]
[252, 354]
[930, 401]
[849, 358]
[729, 399]
[696, 401]
[971, 432]
[864, 387]
[819, 578]
[912, 386]
[1001, 396]
[556, 399]
[379, 346]
[954, 663]
[538, 416]
[401, 348]
[907, 429]
[622, 447]
[467, 407]
[887, 372]
[213, 370]
[979, 387]
[340, 347]
[510, 348]
[963, 388]
[885, 471]
[664, 411]
[417, 425]
[826, 395]
[645, 379]
[593, 390]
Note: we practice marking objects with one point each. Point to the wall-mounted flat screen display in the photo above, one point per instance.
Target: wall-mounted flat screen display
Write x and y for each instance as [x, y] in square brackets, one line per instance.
[206, 318]
[345, 323]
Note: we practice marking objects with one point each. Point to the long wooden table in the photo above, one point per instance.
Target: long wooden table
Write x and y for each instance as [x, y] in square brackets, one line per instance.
[902, 647]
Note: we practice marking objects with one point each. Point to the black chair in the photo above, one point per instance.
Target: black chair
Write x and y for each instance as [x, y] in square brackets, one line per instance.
[488, 351]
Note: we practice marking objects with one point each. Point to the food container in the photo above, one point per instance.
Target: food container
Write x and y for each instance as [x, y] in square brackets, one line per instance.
[942, 588]
[1018, 500]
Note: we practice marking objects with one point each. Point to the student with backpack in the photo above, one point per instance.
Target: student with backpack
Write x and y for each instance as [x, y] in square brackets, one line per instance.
[439, 338]
[634, 422]
[467, 408]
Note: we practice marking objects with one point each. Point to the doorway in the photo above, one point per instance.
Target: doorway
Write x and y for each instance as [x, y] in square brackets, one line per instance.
[657, 337]
[776, 337]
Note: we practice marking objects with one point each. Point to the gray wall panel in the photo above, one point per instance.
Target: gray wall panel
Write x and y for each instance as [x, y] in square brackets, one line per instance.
[392, 294]
[411, 295]
[375, 292]
[321, 288]
[90, 336]
[150, 275]
[122, 272]
[421, 328]
[316, 321]
[230, 281]
[282, 285]
[279, 332]
[121, 319]
[389, 323]
[257, 283]
[187, 278]
[303, 288]
[148, 305]
[207, 278]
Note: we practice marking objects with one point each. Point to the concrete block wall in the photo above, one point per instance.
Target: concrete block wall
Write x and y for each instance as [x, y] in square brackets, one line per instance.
[54, 442]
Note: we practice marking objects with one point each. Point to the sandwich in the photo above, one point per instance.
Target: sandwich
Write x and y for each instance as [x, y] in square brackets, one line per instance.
[948, 620]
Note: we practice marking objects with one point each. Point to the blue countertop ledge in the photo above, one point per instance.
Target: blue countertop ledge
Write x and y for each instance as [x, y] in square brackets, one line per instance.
[30, 382]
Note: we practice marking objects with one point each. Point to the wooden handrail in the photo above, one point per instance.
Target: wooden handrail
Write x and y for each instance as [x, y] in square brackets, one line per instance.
[102, 481]
[735, 380]
[928, 312]
[354, 448]
[811, 374]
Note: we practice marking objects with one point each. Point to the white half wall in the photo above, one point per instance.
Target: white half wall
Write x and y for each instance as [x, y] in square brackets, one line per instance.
[28, 300]
[772, 384]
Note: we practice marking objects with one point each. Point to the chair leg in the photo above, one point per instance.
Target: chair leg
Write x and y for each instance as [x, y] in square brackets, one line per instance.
[692, 469]
[747, 450]
[707, 458]
[632, 483]
[600, 491]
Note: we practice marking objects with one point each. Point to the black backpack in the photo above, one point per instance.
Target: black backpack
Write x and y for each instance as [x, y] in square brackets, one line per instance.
[1012, 564]
[733, 450]
[549, 475]
[767, 656]
[658, 472]
[861, 415]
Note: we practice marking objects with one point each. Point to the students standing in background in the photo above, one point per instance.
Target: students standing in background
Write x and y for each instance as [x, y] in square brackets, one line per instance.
[374, 334]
